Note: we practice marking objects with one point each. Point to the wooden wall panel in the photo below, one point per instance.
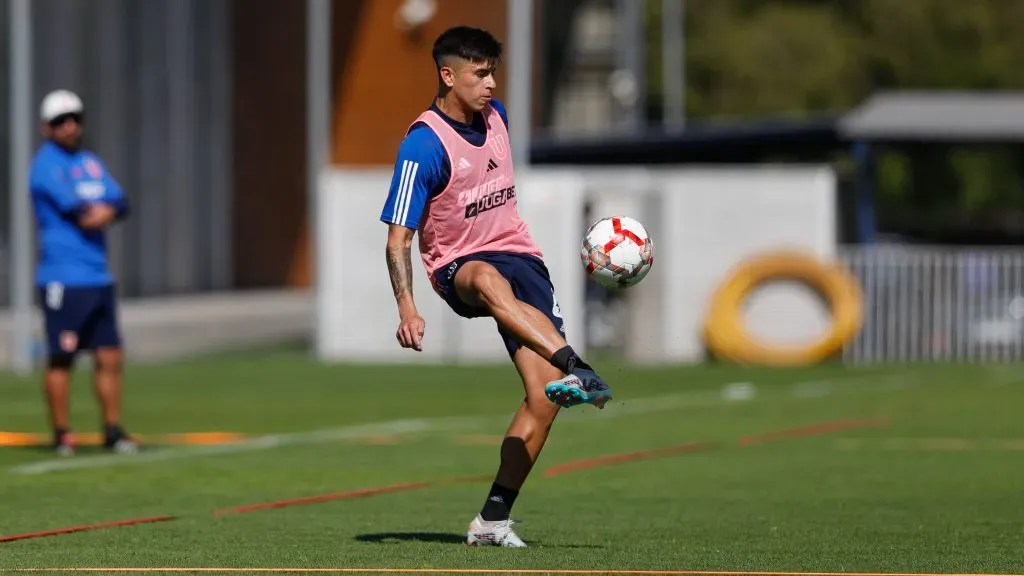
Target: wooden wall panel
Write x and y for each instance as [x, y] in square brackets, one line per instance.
[383, 78]
[269, 118]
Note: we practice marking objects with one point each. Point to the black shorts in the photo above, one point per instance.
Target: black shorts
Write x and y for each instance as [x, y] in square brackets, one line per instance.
[528, 277]
[79, 318]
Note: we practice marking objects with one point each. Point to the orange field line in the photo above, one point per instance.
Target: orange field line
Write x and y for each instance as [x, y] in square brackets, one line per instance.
[811, 430]
[349, 494]
[494, 571]
[84, 527]
[582, 464]
[613, 459]
[346, 495]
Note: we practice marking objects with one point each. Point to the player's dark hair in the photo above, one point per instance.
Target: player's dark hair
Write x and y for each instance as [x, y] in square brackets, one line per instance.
[473, 44]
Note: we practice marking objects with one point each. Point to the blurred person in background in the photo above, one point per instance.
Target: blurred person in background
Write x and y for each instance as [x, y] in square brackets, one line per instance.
[75, 199]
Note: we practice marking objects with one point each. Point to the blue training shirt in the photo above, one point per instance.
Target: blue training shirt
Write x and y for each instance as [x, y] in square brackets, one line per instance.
[63, 184]
[422, 169]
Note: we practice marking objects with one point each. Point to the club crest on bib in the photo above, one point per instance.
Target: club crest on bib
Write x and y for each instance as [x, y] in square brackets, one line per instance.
[498, 145]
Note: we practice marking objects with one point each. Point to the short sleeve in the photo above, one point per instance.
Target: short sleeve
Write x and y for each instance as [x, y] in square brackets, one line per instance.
[418, 174]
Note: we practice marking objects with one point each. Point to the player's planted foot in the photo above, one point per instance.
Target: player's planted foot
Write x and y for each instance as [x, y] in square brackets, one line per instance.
[583, 386]
[64, 443]
[117, 440]
[496, 533]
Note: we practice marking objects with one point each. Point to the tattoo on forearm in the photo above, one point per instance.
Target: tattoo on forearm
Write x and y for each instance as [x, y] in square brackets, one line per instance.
[400, 269]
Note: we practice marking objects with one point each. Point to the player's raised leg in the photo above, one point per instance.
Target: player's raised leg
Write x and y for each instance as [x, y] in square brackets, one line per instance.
[520, 448]
[480, 284]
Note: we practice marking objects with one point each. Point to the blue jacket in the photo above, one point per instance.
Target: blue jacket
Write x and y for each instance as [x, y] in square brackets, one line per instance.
[63, 185]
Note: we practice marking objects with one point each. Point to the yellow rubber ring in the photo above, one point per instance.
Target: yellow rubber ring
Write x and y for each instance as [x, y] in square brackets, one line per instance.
[726, 335]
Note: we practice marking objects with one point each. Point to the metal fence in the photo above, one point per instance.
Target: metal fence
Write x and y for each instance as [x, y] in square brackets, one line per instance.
[156, 81]
[938, 304]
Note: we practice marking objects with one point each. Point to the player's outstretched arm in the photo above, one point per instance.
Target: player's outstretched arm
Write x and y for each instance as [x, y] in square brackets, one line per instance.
[417, 174]
[399, 258]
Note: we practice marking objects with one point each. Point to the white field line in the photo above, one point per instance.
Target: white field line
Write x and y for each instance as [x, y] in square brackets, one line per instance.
[258, 443]
[388, 428]
[615, 409]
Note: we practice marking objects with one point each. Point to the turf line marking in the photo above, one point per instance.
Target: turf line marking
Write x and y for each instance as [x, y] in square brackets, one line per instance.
[571, 466]
[85, 527]
[8, 439]
[634, 407]
[253, 444]
[613, 459]
[811, 431]
[347, 495]
[488, 571]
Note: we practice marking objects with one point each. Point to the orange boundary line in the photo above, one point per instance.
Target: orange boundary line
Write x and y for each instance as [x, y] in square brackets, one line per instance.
[21, 439]
[84, 527]
[496, 571]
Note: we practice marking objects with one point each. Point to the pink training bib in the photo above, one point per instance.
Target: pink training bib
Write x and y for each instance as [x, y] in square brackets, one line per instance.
[477, 211]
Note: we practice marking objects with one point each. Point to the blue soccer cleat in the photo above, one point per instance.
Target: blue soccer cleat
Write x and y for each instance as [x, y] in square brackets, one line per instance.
[581, 387]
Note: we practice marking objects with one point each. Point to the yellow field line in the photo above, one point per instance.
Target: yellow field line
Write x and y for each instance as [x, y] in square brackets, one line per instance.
[15, 439]
[486, 571]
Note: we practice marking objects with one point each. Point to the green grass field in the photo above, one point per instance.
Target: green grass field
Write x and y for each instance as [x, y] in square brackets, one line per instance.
[932, 483]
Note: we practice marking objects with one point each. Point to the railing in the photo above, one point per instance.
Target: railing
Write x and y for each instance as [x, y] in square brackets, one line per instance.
[938, 304]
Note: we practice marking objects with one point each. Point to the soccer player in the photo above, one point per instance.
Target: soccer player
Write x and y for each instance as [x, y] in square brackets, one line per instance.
[75, 199]
[454, 183]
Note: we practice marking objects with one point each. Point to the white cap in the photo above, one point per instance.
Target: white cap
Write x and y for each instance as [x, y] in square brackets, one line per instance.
[58, 103]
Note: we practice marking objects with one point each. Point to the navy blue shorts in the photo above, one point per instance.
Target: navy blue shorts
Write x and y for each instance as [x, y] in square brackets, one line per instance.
[528, 277]
[79, 318]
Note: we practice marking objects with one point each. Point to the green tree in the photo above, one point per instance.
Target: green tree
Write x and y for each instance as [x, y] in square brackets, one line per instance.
[746, 58]
[944, 43]
[756, 58]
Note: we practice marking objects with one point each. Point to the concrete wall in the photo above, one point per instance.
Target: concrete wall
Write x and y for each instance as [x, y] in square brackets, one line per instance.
[705, 221]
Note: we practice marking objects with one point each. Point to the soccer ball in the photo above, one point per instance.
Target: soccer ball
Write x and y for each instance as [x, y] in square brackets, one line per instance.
[617, 252]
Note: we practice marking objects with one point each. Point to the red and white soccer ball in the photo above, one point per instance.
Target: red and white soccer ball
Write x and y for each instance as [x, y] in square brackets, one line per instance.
[617, 252]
